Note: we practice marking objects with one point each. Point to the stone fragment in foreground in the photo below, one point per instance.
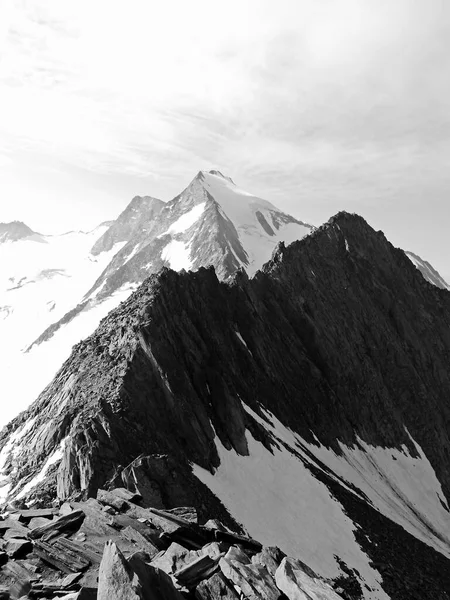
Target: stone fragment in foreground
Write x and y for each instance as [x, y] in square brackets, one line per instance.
[18, 547]
[254, 580]
[270, 557]
[154, 583]
[173, 559]
[200, 568]
[299, 582]
[111, 499]
[215, 588]
[141, 542]
[70, 521]
[116, 579]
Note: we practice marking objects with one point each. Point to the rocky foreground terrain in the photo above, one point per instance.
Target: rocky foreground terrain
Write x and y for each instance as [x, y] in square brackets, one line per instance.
[114, 548]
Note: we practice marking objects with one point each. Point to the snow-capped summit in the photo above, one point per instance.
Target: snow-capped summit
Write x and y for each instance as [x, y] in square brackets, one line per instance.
[259, 224]
[218, 174]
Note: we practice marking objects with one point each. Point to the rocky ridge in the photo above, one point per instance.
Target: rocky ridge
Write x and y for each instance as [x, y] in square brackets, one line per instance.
[116, 547]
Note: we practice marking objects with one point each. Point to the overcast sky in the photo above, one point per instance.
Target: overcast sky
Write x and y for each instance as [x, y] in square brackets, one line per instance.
[316, 105]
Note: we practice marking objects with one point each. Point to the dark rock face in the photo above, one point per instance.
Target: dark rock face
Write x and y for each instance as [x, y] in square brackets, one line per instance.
[339, 336]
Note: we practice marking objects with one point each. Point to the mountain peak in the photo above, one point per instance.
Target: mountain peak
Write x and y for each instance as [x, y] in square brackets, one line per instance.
[219, 174]
[15, 230]
[203, 176]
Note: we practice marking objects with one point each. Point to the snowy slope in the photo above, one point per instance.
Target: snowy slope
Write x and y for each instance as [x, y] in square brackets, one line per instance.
[278, 499]
[259, 224]
[428, 271]
[282, 503]
[39, 280]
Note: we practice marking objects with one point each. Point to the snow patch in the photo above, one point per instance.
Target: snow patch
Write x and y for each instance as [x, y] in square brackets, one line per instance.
[401, 487]
[241, 339]
[176, 253]
[132, 253]
[55, 457]
[11, 445]
[188, 219]
[240, 207]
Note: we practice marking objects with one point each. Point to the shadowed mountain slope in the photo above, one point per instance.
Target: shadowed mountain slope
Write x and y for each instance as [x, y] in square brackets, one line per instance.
[330, 365]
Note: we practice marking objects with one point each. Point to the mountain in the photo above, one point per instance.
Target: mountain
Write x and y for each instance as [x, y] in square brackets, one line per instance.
[429, 273]
[16, 230]
[211, 222]
[297, 397]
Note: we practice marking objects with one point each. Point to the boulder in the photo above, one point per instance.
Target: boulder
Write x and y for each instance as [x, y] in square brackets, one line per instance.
[38, 522]
[214, 549]
[154, 583]
[270, 557]
[18, 547]
[111, 499]
[299, 582]
[126, 495]
[216, 588]
[200, 568]
[238, 555]
[117, 580]
[70, 521]
[173, 559]
[142, 543]
[254, 580]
